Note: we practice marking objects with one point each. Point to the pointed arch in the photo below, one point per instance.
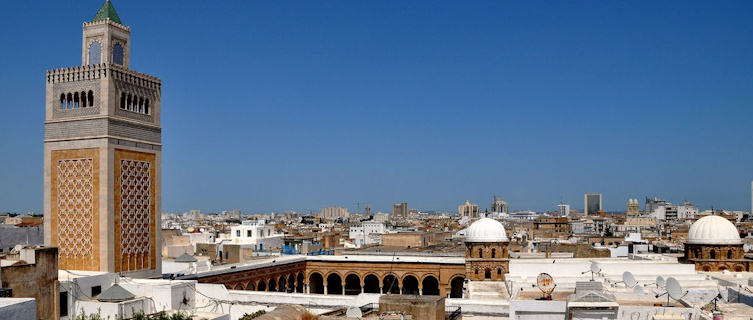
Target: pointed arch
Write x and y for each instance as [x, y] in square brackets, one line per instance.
[75, 100]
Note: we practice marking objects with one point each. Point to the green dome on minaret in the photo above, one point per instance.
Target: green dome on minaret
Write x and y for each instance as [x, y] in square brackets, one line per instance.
[107, 12]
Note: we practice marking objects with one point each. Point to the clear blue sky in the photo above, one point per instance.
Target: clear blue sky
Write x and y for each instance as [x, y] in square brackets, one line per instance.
[275, 105]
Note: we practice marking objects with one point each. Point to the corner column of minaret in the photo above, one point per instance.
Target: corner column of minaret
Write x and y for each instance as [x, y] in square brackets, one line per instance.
[102, 156]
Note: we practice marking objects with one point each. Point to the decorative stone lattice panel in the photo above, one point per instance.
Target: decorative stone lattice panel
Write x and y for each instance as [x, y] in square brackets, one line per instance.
[135, 215]
[75, 208]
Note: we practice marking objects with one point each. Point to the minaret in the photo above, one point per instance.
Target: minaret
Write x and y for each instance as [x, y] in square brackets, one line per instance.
[102, 156]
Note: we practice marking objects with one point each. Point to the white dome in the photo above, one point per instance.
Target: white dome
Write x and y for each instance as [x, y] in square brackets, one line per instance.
[713, 230]
[486, 230]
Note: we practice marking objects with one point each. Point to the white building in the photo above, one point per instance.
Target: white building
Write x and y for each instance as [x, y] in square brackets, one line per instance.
[526, 215]
[687, 211]
[669, 212]
[115, 297]
[563, 209]
[500, 207]
[256, 233]
[381, 217]
[367, 232]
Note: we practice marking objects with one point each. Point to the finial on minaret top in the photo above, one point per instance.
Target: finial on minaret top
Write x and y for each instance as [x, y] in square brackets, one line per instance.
[107, 12]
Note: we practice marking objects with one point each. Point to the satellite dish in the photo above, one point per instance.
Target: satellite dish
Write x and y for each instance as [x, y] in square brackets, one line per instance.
[595, 267]
[629, 279]
[638, 290]
[354, 312]
[660, 282]
[674, 289]
[545, 283]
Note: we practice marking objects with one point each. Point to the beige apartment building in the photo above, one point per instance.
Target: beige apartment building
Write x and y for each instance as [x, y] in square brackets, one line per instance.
[334, 213]
[400, 210]
[468, 210]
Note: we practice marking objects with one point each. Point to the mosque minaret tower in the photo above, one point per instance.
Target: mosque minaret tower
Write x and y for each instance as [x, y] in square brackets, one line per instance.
[102, 156]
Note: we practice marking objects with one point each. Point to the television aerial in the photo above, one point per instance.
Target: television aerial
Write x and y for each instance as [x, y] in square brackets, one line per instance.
[673, 290]
[629, 279]
[594, 269]
[546, 285]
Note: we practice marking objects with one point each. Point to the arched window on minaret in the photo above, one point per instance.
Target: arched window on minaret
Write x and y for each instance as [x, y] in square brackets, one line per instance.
[91, 99]
[95, 53]
[62, 101]
[75, 101]
[117, 54]
[141, 104]
[83, 99]
[122, 100]
[69, 101]
[146, 106]
[129, 106]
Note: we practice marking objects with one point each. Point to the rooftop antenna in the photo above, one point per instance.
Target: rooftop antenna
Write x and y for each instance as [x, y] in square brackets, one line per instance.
[595, 268]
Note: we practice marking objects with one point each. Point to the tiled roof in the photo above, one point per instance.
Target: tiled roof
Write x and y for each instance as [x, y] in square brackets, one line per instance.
[107, 12]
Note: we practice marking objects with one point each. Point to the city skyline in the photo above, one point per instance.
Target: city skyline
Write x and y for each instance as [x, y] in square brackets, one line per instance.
[329, 105]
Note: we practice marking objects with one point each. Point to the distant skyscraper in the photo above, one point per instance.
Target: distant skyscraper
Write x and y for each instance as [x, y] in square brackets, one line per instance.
[334, 213]
[563, 209]
[367, 210]
[500, 206]
[633, 208]
[468, 210]
[400, 210]
[102, 156]
[592, 204]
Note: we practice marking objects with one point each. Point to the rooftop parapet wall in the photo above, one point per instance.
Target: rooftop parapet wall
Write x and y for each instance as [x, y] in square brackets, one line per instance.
[94, 23]
[99, 71]
[78, 73]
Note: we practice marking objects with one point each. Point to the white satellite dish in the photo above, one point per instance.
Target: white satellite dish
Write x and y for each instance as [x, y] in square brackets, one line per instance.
[638, 290]
[674, 289]
[354, 312]
[660, 282]
[595, 268]
[629, 279]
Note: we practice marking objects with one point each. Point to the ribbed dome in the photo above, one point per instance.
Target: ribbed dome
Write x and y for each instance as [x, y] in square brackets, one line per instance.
[486, 230]
[713, 230]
